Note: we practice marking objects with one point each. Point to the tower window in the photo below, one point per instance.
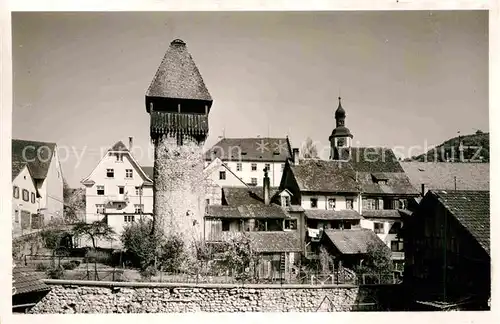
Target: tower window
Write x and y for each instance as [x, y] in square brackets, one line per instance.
[331, 203]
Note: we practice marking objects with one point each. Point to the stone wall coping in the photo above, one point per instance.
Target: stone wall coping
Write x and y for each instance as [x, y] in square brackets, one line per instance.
[59, 282]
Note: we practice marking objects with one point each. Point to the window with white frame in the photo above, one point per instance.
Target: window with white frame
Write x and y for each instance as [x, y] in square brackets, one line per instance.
[139, 208]
[121, 190]
[349, 203]
[129, 218]
[239, 166]
[285, 201]
[15, 192]
[314, 202]
[99, 208]
[397, 246]
[128, 173]
[222, 175]
[378, 228]
[110, 173]
[26, 195]
[119, 157]
[32, 197]
[268, 167]
[254, 166]
[100, 190]
[331, 203]
[290, 224]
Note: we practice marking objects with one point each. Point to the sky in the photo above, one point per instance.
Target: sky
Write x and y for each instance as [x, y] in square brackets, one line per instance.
[406, 78]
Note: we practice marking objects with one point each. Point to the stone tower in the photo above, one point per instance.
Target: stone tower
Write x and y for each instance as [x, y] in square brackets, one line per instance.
[341, 137]
[178, 103]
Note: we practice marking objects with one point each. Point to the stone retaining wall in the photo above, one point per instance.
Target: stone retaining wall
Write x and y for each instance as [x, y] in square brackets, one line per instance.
[115, 297]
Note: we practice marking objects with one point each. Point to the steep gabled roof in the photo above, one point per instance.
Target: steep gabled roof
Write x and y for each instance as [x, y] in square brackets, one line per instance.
[325, 176]
[354, 241]
[286, 241]
[472, 210]
[27, 281]
[148, 170]
[393, 183]
[119, 147]
[178, 76]
[17, 167]
[441, 175]
[38, 155]
[374, 159]
[255, 149]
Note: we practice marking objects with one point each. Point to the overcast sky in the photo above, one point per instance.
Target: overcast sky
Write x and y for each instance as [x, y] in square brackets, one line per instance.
[404, 77]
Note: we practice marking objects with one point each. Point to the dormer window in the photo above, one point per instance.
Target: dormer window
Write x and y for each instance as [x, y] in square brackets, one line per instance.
[285, 201]
[379, 178]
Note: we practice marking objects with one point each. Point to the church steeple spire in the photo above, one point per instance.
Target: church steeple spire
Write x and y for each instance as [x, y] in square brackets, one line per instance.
[341, 136]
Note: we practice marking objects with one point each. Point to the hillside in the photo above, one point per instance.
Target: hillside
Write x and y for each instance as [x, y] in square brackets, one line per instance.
[476, 147]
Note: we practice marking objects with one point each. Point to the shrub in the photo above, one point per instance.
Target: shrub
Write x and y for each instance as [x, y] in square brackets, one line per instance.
[55, 273]
[140, 244]
[41, 267]
[147, 273]
[98, 256]
[70, 265]
[172, 254]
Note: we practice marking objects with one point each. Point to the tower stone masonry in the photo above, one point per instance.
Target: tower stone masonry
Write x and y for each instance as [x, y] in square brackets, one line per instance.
[178, 103]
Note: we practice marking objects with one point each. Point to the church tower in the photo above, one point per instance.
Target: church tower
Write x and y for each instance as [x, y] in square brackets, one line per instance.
[341, 137]
[178, 103]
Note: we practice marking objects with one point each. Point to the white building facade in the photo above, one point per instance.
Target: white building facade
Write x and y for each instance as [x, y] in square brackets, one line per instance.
[118, 190]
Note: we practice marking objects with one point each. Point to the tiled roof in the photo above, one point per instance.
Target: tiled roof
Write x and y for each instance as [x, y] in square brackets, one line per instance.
[396, 183]
[381, 213]
[237, 196]
[148, 170]
[119, 147]
[441, 175]
[332, 214]
[37, 155]
[325, 176]
[17, 167]
[374, 159]
[354, 241]
[472, 210]
[178, 77]
[251, 149]
[286, 241]
[27, 281]
[246, 211]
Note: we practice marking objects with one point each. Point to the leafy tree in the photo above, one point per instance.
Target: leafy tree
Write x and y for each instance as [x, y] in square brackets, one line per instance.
[138, 240]
[74, 202]
[172, 253]
[377, 261]
[309, 149]
[239, 256]
[94, 231]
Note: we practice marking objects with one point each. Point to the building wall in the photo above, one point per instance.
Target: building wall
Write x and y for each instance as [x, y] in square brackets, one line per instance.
[51, 190]
[386, 237]
[246, 174]
[111, 190]
[340, 201]
[23, 181]
[179, 201]
[434, 238]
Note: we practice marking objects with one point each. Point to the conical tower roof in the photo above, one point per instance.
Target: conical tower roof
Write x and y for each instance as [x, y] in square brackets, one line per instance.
[178, 77]
[340, 112]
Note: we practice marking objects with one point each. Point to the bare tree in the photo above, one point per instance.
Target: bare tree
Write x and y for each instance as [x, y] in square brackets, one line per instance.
[309, 149]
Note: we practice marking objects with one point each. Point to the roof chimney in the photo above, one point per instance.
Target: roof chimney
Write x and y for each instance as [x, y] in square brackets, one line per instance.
[267, 189]
[130, 143]
[295, 156]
